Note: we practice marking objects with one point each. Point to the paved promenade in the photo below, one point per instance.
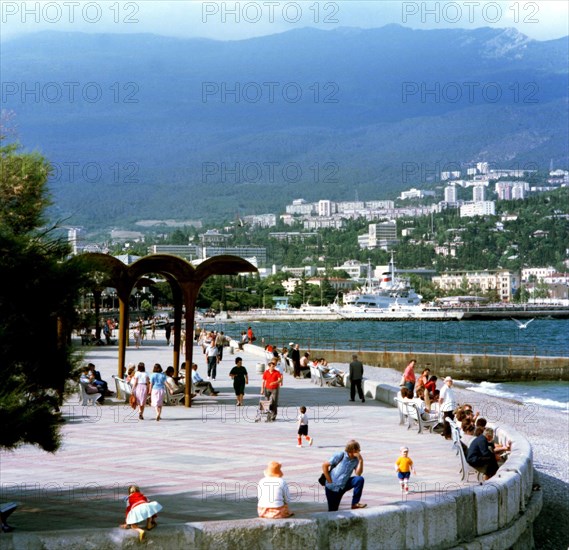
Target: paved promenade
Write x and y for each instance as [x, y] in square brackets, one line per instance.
[202, 463]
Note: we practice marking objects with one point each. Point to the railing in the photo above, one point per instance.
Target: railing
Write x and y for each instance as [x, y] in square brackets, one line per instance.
[456, 348]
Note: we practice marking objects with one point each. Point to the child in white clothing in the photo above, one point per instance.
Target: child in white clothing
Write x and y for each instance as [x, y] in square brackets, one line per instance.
[303, 428]
[273, 494]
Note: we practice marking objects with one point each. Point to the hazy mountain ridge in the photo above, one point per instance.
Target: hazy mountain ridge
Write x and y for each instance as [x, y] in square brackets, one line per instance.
[365, 107]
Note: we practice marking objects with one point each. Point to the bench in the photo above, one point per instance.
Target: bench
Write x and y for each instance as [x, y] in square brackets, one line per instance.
[414, 416]
[6, 509]
[124, 389]
[466, 470]
[323, 379]
[87, 398]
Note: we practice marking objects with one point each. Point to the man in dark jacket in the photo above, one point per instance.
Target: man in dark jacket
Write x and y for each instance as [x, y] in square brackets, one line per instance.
[295, 356]
[481, 454]
[356, 375]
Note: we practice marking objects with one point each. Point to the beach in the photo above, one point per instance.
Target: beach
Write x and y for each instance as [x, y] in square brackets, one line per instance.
[547, 429]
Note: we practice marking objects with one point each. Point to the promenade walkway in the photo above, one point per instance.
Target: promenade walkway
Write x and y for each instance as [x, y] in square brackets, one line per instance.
[202, 463]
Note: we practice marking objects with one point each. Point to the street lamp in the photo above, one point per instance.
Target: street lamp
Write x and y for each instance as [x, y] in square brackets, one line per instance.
[151, 297]
[137, 296]
[113, 296]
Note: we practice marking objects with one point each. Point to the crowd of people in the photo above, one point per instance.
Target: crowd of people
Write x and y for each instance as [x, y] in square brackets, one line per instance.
[343, 471]
[477, 439]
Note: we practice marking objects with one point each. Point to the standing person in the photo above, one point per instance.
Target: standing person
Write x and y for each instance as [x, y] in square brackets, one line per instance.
[168, 331]
[303, 428]
[447, 403]
[250, 335]
[273, 494]
[339, 480]
[219, 343]
[295, 356]
[211, 358]
[423, 380]
[240, 380]
[157, 389]
[272, 381]
[409, 376]
[356, 375]
[403, 467]
[140, 388]
[153, 328]
[139, 509]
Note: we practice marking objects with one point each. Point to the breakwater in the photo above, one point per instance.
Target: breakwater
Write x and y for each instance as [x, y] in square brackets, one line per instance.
[465, 366]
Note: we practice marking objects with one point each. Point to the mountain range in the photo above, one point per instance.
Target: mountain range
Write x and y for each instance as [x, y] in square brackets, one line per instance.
[143, 126]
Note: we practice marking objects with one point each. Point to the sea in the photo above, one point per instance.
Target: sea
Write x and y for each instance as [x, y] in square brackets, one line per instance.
[541, 337]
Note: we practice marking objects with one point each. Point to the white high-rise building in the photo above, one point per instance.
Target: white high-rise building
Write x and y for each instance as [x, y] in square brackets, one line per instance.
[325, 208]
[478, 193]
[450, 193]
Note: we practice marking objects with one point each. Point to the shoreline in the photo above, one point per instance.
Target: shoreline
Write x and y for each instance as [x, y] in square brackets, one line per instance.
[547, 430]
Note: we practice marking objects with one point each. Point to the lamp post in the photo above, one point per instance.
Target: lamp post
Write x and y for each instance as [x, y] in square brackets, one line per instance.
[137, 296]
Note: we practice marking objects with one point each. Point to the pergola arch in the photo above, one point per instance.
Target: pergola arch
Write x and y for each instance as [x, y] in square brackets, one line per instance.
[185, 281]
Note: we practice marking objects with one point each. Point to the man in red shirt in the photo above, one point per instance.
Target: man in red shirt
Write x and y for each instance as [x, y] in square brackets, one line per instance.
[272, 381]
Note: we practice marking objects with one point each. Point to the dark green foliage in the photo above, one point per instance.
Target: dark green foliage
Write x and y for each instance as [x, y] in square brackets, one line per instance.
[37, 289]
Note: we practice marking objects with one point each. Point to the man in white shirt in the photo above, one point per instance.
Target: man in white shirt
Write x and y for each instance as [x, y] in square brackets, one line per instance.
[448, 404]
[211, 353]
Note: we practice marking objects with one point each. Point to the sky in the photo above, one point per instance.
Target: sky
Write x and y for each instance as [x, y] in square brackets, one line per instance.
[221, 20]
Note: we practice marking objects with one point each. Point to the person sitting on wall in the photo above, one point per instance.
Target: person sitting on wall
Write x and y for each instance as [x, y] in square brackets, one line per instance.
[305, 366]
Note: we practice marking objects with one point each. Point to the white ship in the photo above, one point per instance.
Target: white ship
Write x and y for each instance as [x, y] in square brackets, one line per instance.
[391, 291]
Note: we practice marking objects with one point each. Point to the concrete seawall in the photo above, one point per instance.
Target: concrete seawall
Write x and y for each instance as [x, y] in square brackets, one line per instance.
[478, 368]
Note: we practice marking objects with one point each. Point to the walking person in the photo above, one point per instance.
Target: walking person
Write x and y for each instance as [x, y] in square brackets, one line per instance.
[157, 390]
[168, 332]
[403, 467]
[272, 381]
[356, 376]
[339, 480]
[211, 354]
[240, 380]
[303, 428]
[219, 343]
[140, 388]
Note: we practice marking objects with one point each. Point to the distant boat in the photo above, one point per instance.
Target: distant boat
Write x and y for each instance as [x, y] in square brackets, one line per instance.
[390, 291]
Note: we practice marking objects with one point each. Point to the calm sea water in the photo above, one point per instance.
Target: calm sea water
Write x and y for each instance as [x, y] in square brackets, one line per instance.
[542, 337]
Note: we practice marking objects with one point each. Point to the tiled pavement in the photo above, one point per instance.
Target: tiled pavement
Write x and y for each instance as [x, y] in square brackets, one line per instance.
[202, 463]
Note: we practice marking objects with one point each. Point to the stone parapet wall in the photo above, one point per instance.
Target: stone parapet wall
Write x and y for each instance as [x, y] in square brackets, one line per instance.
[491, 368]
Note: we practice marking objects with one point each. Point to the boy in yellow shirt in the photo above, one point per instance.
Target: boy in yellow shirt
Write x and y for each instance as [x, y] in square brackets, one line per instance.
[403, 467]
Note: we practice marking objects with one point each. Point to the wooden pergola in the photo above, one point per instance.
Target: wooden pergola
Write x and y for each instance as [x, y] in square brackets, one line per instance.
[185, 281]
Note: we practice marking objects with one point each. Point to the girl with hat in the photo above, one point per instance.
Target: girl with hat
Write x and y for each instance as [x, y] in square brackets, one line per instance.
[273, 494]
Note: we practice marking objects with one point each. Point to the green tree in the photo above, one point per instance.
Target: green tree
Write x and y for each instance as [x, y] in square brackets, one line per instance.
[37, 293]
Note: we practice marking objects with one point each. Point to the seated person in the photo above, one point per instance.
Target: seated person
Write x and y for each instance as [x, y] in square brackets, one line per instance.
[98, 381]
[467, 437]
[87, 380]
[130, 372]
[172, 386]
[431, 387]
[305, 365]
[481, 455]
[199, 382]
[424, 406]
[330, 371]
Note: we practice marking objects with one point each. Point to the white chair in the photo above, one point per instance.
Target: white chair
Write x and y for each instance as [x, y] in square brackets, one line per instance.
[414, 416]
[173, 398]
[87, 398]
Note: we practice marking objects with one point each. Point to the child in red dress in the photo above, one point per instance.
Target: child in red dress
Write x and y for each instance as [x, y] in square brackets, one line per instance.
[139, 509]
